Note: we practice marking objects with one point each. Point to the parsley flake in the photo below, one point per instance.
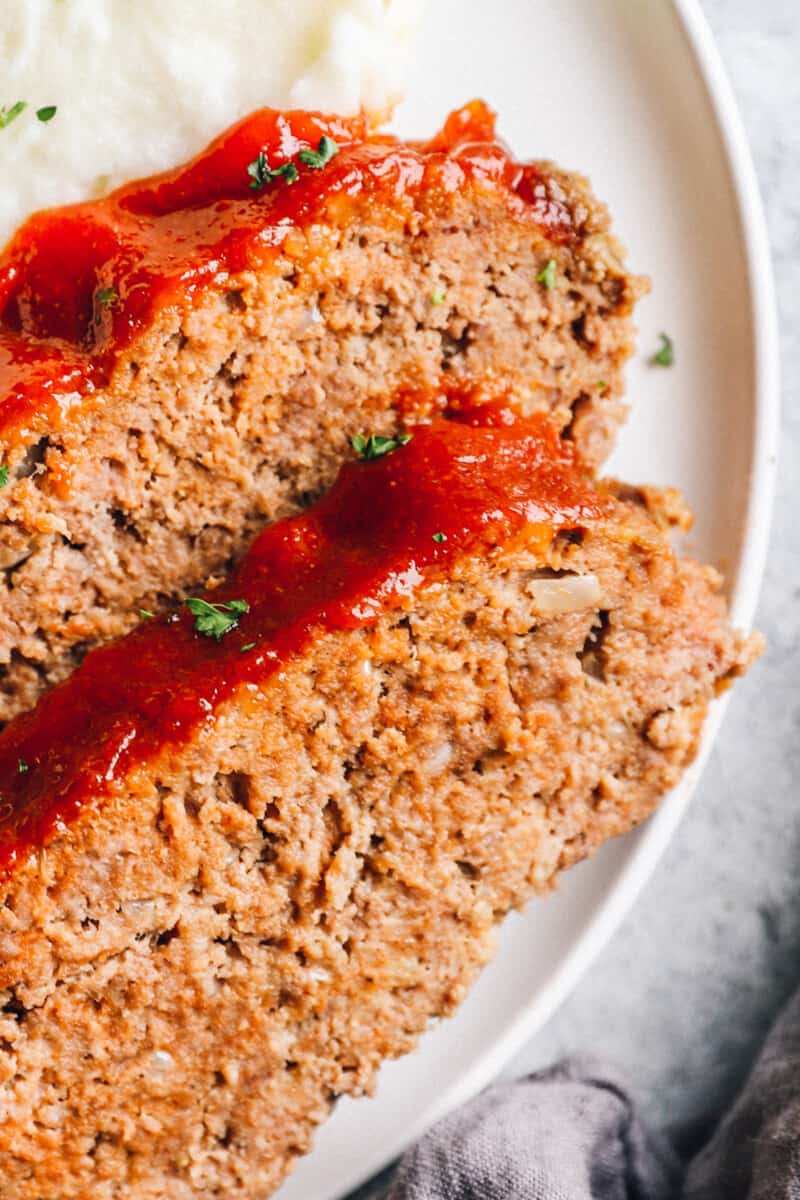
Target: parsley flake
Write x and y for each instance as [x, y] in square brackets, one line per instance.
[289, 172]
[261, 173]
[22, 766]
[47, 113]
[105, 297]
[375, 446]
[440, 537]
[439, 296]
[326, 150]
[249, 646]
[7, 115]
[3, 476]
[547, 276]
[602, 386]
[215, 620]
[665, 355]
[145, 614]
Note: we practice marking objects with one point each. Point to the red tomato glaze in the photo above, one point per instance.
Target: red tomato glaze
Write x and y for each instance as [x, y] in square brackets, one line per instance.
[476, 481]
[77, 284]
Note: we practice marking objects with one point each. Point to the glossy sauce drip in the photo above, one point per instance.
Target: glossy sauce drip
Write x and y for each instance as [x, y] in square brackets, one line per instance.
[476, 482]
[160, 241]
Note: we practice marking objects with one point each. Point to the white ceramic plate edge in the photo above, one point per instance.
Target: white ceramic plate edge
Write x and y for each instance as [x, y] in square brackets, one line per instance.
[655, 837]
[744, 598]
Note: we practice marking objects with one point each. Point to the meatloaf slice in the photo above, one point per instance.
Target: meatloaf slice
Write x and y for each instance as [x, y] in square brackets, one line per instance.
[250, 850]
[187, 359]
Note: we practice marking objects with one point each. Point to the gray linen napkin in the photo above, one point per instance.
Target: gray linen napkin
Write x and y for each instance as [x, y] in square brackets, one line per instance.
[572, 1133]
[755, 1153]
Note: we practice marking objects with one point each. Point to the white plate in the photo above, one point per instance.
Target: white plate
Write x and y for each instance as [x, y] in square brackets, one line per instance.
[632, 93]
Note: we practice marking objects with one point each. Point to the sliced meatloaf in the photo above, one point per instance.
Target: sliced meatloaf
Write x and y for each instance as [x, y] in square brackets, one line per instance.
[250, 850]
[187, 359]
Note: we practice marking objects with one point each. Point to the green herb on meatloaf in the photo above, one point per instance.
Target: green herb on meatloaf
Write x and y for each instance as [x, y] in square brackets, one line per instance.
[46, 113]
[440, 537]
[105, 297]
[145, 614]
[326, 150]
[665, 355]
[22, 766]
[375, 446]
[547, 276]
[3, 476]
[261, 173]
[439, 296]
[7, 115]
[249, 646]
[289, 172]
[215, 620]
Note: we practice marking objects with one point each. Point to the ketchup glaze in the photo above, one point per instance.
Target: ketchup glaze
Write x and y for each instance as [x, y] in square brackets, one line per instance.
[78, 284]
[459, 487]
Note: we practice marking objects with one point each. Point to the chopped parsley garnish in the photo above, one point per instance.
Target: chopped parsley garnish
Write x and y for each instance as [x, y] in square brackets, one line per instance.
[215, 620]
[375, 446]
[547, 276]
[326, 150]
[22, 766]
[440, 537]
[47, 113]
[7, 115]
[145, 614]
[261, 173]
[665, 355]
[249, 646]
[439, 296]
[105, 297]
[602, 386]
[289, 172]
[3, 476]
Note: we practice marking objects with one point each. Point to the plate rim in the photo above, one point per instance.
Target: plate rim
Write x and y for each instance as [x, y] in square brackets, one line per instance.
[655, 836]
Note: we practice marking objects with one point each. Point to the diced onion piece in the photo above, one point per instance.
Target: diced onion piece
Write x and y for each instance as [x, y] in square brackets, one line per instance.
[439, 758]
[570, 593]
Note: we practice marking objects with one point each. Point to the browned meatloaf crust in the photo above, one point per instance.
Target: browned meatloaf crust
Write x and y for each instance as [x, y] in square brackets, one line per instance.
[231, 401]
[274, 858]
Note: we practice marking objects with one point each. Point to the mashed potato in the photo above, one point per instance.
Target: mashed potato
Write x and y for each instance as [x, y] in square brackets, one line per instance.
[139, 85]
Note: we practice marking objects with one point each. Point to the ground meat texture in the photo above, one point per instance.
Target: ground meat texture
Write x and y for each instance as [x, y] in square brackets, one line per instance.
[235, 408]
[249, 921]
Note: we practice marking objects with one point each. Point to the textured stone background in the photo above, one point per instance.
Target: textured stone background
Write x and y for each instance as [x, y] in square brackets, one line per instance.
[683, 995]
